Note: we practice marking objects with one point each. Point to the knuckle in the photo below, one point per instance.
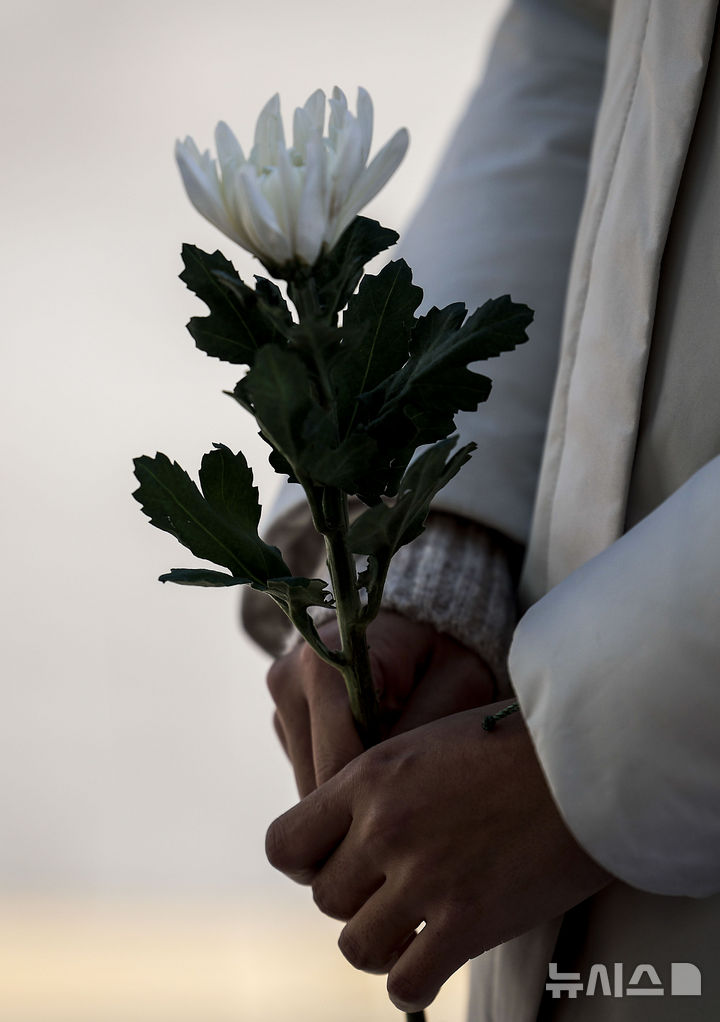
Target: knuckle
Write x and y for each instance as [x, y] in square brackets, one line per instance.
[406, 993]
[326, 902]
[307, 659]
[382, 833]
[383, 827]
[276, 844]
[277, 678]
[355, 951]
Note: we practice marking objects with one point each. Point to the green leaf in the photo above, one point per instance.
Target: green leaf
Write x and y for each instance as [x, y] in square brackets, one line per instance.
[227, 484]
[202, 577]
[337, 273]
[377, 327]
[439, 343]
[297, 594]
[207, 523]
[368, 577]
[418, 403]
[294, 595]
[241, 320]
[345, 465]
[303, 434]
[383, 529]
[282, 394]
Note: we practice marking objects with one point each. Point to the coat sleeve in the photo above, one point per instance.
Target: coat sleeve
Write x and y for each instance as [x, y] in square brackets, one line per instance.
[500, 217]
[618, 673]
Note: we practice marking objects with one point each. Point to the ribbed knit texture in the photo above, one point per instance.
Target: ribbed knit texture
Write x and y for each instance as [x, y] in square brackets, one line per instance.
[457, 577]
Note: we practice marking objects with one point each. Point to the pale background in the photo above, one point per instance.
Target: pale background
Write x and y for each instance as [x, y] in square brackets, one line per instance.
[138, 770]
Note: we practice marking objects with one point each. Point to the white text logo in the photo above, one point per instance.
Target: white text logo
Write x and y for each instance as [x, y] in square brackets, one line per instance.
[644, 981]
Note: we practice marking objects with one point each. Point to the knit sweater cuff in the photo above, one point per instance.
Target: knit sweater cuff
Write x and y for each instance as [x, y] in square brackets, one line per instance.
[457, 576]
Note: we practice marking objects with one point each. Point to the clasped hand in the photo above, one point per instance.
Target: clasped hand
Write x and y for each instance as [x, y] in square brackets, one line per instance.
[443, 824]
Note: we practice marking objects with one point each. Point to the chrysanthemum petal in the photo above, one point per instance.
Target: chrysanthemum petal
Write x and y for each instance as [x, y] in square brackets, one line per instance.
[315, 109]
[229, 150]
[365, 120]
[199, 176]
[269, 134]
[372, 179]
[260, 223]
[348, 164]
[282, 204]
[279, 189]
[338, 112]
[312, 217]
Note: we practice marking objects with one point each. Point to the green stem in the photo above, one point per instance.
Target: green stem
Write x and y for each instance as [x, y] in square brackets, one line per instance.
[352, 624]
[304, 625]
[356, 671]
[330, 516]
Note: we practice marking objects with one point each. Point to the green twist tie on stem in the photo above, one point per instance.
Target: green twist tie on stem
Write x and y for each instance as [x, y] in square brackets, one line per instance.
[491, 720]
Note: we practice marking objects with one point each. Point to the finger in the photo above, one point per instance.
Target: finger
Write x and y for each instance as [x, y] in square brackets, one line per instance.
[280, 732]
[381, 931]
[299, 749]
[335, 741]
[346, 880]
[300, 840]
[292, 720]
[441, 691]
[429, 960]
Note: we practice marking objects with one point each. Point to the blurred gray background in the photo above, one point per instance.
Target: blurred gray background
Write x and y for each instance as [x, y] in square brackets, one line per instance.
[138, 764]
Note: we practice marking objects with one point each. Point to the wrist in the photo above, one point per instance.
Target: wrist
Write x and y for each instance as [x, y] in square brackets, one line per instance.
[458, 576]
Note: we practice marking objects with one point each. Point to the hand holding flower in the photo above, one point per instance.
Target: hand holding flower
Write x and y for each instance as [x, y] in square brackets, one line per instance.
[356, 396]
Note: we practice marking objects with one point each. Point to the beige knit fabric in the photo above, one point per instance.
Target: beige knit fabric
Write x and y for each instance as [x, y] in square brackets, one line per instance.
[456, 576]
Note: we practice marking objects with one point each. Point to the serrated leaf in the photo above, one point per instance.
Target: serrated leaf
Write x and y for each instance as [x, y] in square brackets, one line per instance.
[202, 577]
[439, 343]
[418, 403]
[274, 305]
[241, 320]
[299, 593]
[377, 327]
[337, 272]
[205, 523]
[227, 484]
[383, 529]
[368, 577]
[303, 435]
[282, 395]
[436, 402]
[344, 465]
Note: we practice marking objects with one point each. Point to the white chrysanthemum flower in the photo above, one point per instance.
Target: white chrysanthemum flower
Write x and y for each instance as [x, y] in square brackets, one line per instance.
[285, 204]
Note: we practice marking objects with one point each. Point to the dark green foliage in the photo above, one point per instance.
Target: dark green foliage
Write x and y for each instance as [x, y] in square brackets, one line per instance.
[344, 395]
[202, 577]
[337, 273]
[218, 524]
[298, 594]
[417, 404]
[241, 320]
[303, 433]
[376, 331]
[383, 529]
